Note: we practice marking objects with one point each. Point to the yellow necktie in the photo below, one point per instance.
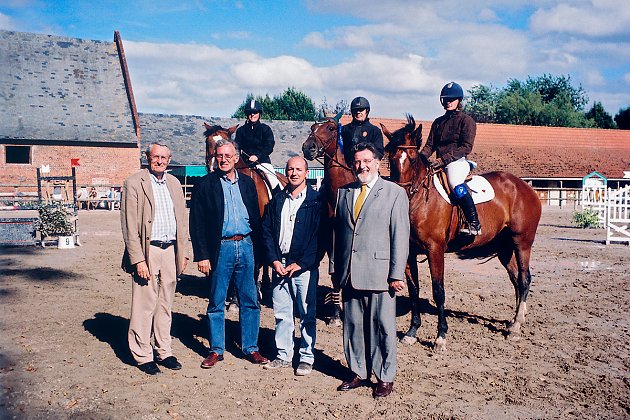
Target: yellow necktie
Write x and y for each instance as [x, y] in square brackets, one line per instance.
[360, 201]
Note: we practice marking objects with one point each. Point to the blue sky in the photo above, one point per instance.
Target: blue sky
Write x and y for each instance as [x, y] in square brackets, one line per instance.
[202, 57]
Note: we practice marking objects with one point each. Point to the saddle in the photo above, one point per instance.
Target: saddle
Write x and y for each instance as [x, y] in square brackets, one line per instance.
[480, 189]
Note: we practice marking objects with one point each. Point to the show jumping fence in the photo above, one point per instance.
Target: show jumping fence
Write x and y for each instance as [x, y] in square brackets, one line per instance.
[613, 210]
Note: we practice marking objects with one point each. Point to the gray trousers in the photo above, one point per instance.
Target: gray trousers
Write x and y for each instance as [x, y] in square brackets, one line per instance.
[369, 333]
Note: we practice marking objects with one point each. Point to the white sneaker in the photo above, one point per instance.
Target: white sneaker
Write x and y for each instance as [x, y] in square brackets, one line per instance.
[303, 369]
[277, 364]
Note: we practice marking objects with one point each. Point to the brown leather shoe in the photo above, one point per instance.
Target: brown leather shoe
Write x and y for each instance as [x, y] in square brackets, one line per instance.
[383, 389]
[211, 360]
[353, 383]
[257, 358]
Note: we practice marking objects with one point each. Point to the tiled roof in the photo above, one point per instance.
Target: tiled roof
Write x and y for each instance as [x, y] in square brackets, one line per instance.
[55, 88]
[184, 136]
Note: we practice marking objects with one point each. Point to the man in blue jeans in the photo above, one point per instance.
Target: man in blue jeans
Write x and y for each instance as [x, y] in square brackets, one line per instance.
[290, 235]
[225, 225]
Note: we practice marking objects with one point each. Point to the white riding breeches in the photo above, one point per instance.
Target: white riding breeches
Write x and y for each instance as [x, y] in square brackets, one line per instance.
[270, 173]
[457, 171]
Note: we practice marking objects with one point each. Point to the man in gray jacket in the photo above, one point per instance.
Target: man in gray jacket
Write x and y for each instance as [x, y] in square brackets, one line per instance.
[371, 245]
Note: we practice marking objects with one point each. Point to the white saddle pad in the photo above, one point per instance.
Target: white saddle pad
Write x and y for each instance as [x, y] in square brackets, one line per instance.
[480, 189]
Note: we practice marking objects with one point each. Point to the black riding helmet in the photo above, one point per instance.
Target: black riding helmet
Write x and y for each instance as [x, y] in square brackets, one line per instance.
[451, 91]
[359, 103]
[252, 107]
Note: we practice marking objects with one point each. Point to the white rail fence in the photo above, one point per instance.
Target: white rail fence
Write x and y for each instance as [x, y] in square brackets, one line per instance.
[613, 211]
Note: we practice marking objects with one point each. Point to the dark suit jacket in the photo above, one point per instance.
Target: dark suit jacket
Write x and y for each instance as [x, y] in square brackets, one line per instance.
[207, 211]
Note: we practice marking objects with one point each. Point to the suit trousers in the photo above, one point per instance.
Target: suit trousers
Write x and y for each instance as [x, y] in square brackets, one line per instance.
[151, 305]
[369, 332]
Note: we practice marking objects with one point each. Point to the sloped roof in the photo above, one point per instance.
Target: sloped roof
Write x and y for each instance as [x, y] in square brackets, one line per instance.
[184, 136]
[542, 152]
[55, 88]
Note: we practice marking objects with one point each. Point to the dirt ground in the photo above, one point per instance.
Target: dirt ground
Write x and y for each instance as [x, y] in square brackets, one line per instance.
[63, 351]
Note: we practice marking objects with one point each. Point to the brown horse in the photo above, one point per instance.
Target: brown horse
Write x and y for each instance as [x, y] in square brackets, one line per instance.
[509, 225]
[214, 133]
[322, 142]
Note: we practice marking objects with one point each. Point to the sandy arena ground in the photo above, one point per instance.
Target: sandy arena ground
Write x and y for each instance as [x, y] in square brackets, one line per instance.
[63, 350]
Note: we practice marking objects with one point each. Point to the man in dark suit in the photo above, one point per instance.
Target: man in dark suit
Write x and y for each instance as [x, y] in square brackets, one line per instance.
[225, 225]
[155, 231]
[371, 245]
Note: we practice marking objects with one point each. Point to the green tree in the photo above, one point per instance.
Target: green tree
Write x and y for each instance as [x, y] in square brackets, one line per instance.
[325, 108]
[291, 104]
[599, 116]
[623, 119]
[545, 100]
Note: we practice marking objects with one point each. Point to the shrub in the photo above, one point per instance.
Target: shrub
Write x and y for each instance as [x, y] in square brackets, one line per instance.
[54, 219]
[586, 218]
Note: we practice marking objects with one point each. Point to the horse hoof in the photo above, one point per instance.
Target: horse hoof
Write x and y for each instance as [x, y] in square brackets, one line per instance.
[335, 322]
[408, 340]
[440, 345]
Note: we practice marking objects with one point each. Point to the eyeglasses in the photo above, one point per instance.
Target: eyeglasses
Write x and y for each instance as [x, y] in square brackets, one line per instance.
[366, 162]
[224, 157]
[156, 158]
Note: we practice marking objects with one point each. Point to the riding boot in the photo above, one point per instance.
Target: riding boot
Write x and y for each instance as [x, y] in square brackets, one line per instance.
[466, 203]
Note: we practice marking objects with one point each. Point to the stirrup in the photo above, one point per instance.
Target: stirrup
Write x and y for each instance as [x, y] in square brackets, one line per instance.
[473, 229]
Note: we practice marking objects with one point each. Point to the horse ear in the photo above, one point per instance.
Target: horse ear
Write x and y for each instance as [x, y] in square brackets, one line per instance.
[417, 135]
[231, 130]
[387, 133]
[206, 125]
[338, 117]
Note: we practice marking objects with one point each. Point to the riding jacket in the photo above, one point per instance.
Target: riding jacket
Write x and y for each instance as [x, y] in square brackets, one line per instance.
[255, 139]
[357, 132]
[452, 136]
[303, 249]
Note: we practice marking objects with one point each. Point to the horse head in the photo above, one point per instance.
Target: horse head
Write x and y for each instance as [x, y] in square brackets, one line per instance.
[213, 134]
[403, 147]
[322, 141]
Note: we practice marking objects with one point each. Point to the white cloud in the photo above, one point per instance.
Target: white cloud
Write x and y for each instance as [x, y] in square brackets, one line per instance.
[6, 23]
[595, 18]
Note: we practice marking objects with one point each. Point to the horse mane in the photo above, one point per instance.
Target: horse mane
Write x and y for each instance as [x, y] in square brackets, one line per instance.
[398, 136]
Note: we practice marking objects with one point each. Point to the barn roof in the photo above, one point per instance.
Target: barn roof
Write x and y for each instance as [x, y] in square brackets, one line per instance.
[184, 136]
[58, 89]
[542, 152]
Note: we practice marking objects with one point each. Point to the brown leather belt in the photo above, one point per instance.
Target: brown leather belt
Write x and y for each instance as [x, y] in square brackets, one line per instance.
[235, 238]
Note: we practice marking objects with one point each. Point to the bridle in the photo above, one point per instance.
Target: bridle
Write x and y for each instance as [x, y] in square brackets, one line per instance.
[324, 145]
[417, 184]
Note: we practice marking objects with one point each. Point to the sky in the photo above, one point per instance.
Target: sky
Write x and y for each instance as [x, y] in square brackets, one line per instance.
[202, 57]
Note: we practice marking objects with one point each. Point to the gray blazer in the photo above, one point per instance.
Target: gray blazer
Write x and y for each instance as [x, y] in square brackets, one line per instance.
[375, 248]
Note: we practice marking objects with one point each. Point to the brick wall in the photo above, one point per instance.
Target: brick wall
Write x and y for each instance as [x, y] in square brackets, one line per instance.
[109, 163]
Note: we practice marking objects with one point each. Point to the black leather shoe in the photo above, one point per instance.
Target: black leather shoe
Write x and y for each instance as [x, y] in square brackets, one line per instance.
[150, 368]
[353, 383]
[171, 363]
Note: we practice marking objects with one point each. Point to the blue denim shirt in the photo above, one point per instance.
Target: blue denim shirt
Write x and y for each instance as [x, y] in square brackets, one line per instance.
[235, 216]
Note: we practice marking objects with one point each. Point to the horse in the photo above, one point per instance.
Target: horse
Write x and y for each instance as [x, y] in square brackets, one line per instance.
[322, 142]
[509, 221]
[212, 134]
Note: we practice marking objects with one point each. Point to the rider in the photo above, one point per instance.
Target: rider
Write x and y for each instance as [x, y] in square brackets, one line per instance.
[452, 136]
[360, 130]
[255, 139]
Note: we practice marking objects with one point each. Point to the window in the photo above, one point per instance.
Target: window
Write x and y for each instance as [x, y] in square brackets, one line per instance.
[18, 154]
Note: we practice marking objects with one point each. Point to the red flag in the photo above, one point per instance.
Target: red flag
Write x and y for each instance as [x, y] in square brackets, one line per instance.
[74, 162]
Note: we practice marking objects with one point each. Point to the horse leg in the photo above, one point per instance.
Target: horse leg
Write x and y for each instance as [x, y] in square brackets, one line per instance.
[436, 266]
[413, 283]
[334, 298]
[516, 262]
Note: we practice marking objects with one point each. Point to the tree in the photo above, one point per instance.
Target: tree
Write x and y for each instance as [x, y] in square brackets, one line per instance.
[292, 105]
[600, 117]
[623, 119]
[545, 100]
[325, 109]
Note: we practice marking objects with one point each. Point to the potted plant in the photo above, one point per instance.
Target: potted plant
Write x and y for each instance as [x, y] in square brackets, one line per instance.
[55, 220]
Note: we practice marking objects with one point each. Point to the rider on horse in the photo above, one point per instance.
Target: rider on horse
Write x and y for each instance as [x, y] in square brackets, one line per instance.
[452, 136]
[360, 130]
[255, 139]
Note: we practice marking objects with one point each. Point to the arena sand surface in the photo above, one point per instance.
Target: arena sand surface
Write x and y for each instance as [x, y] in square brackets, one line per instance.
[63, 351]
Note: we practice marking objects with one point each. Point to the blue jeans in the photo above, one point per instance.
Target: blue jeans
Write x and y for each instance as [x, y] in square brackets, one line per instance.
[301, 291]
[236, 261]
